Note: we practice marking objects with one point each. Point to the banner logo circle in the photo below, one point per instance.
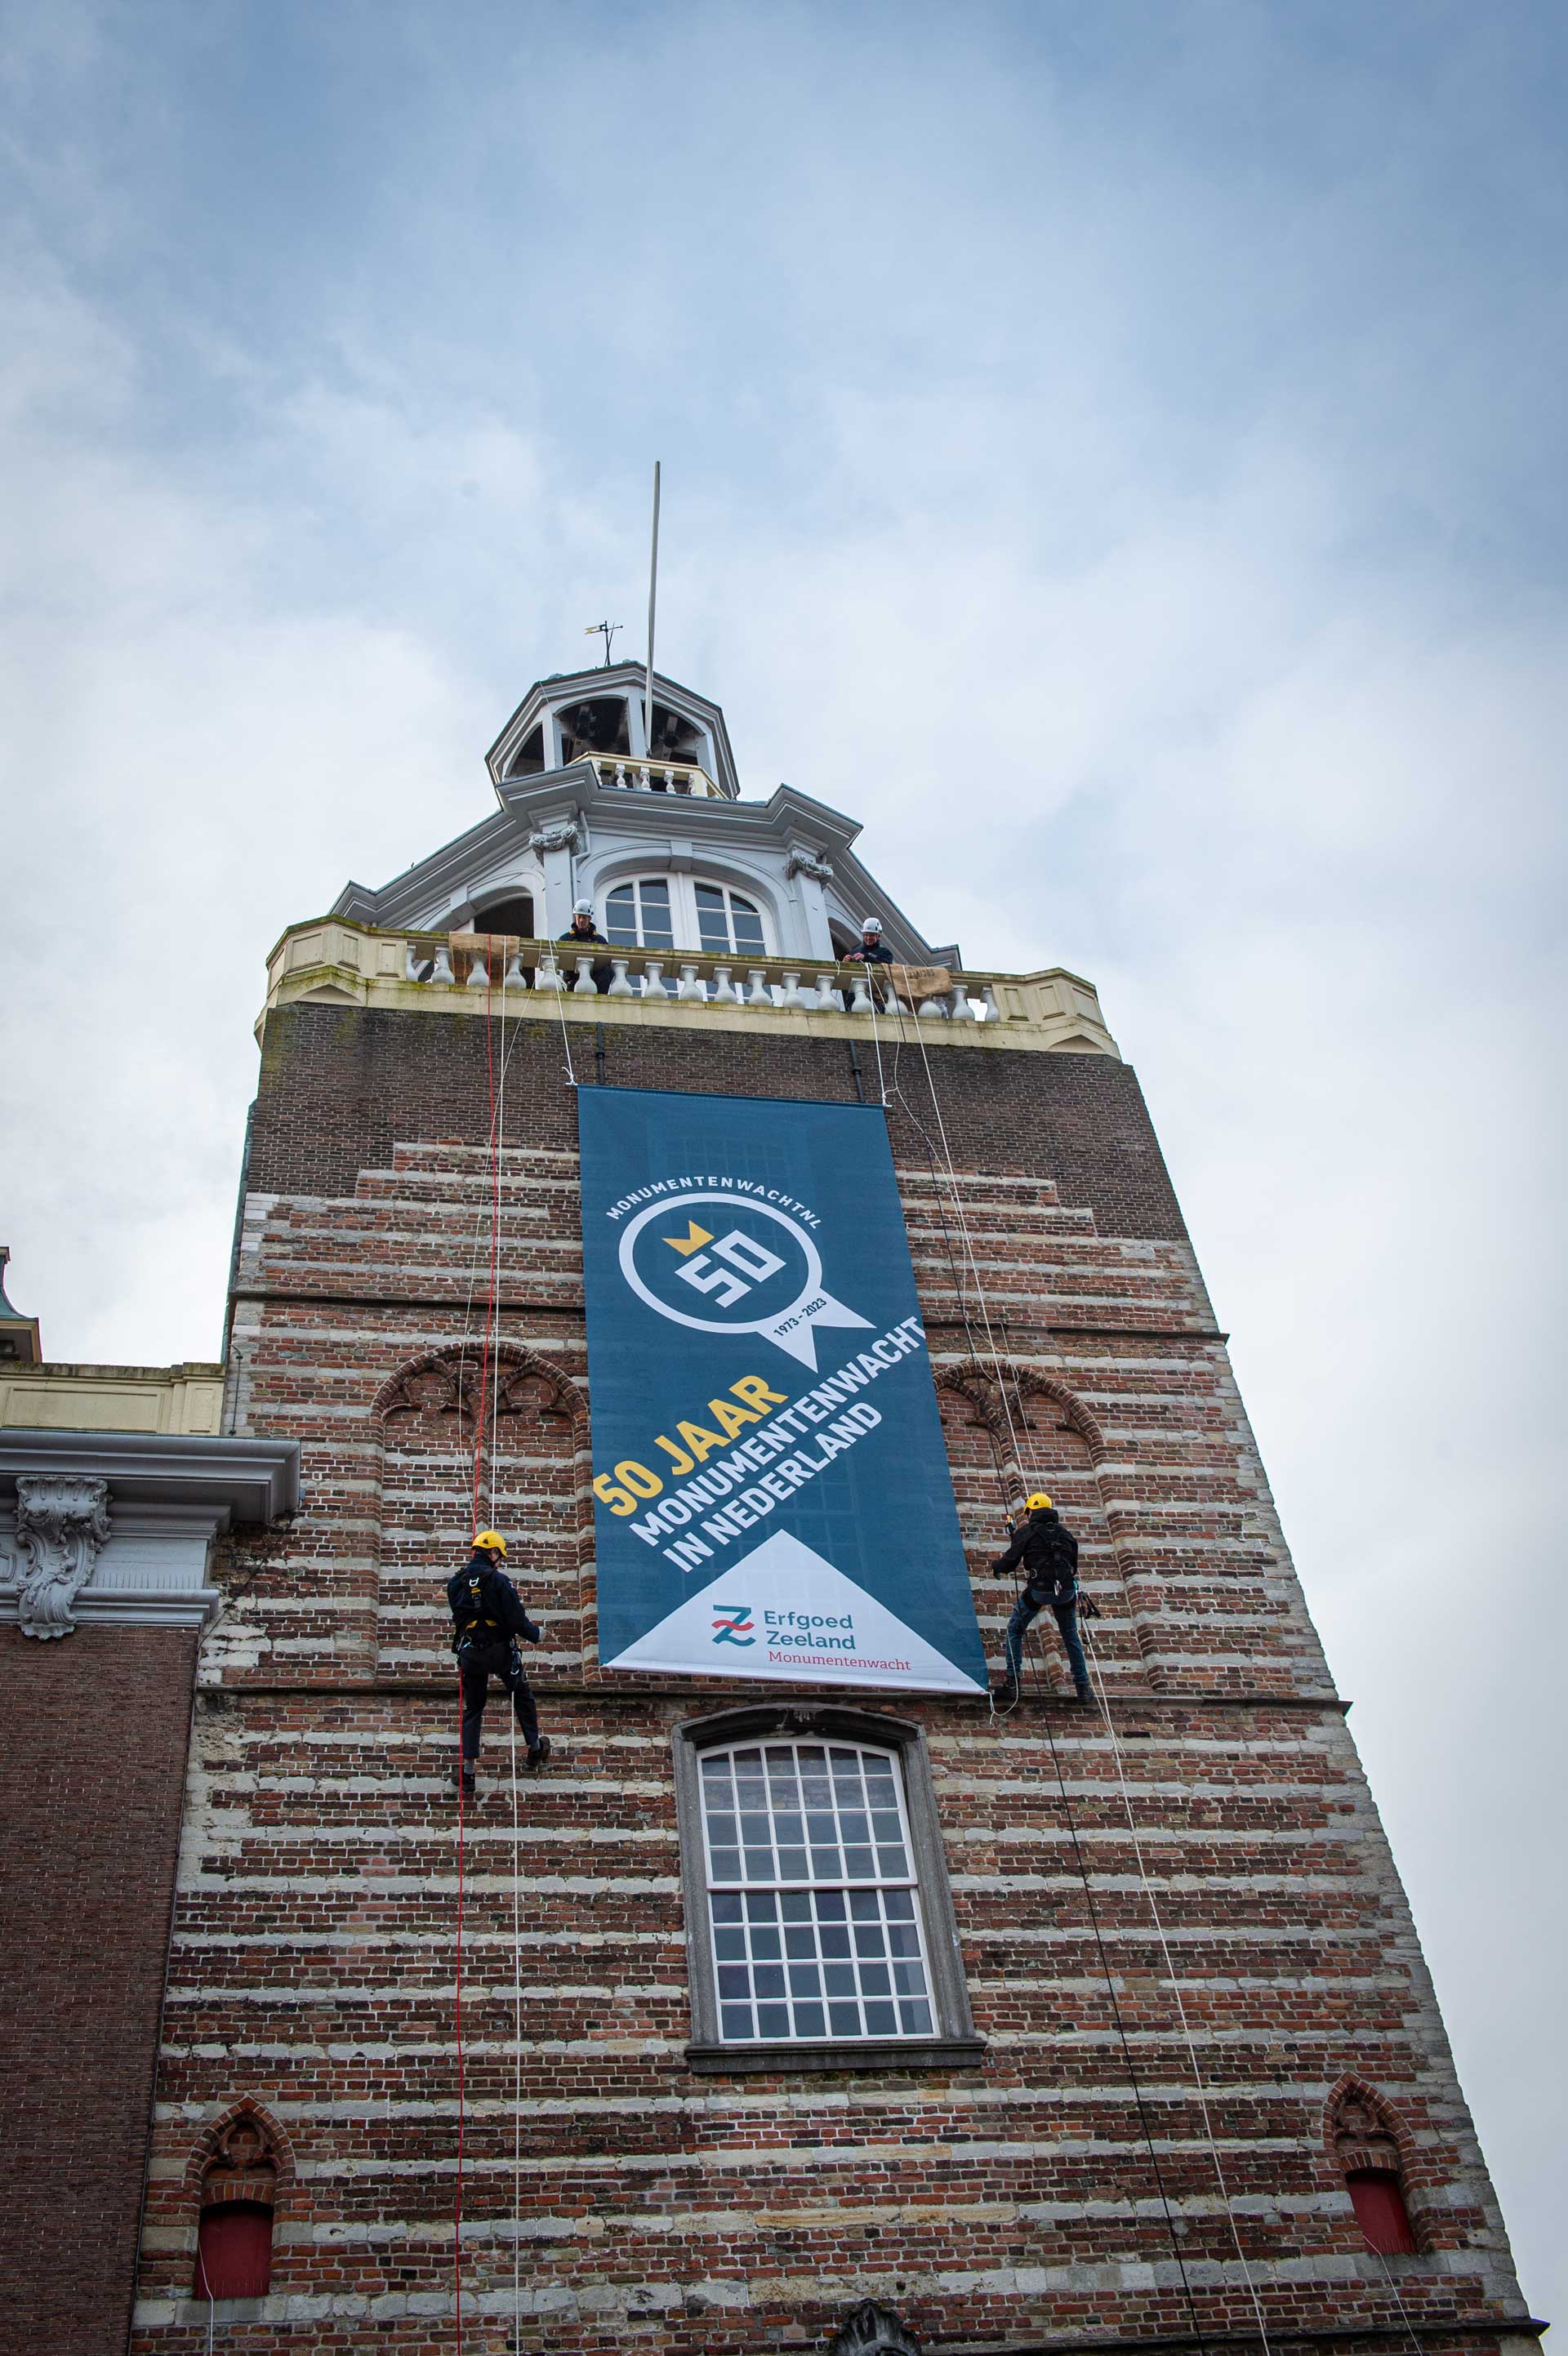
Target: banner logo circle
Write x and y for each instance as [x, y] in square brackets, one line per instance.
[725, 1267]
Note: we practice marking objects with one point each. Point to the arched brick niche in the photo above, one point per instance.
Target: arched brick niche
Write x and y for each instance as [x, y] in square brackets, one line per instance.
[533, 1484]
[235, 2181]
[1009, 1431]
[1371, 2148]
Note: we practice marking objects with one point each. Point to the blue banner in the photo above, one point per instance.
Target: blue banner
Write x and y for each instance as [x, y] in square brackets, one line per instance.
[772, 1492]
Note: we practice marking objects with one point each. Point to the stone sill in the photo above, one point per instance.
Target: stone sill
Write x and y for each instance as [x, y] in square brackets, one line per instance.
[876, 2055]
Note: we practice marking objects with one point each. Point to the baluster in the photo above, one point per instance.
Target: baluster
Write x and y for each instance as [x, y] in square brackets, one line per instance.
[827, 997]
[895, 1003]
[790, 995]
[478, 973]
[725, 993]
[642, 777]
[620, 773]
[653, 979]
[758, 994]
[515, 977]
[993, 1011]
[549, 974]
[689, 986]
[585, 986]
[413, 964]
[960, 1010]
[443, 968]
[860, 1002]
[620, 986]
[931, 1008]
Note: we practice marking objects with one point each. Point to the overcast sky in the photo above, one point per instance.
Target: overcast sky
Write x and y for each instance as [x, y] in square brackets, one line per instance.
[1116, 451]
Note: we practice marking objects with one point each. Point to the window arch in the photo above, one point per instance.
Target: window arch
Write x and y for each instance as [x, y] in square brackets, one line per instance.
[685, 912]
[238, 2193]
[513, 912]
[1366, 2145]
[819, 1924]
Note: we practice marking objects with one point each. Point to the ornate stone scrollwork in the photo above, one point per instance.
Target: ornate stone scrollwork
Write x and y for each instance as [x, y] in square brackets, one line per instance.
[872, 2331]
[806, 862]
[560, 834]
[62, 1520]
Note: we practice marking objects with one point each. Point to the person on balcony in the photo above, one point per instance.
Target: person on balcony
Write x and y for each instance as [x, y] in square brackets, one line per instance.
[488, 1618]
[583, 931]
[871, 950]
[1047, 1551]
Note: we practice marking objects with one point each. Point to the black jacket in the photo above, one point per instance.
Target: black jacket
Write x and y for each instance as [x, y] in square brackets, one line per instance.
[590, 937]
[500, 1616]
[861, 953]
[1047, 1551]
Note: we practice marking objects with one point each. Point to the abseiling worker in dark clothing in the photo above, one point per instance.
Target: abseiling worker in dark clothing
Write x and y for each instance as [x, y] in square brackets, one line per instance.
[585, 932]
[488, 1619]
[1047, 1551]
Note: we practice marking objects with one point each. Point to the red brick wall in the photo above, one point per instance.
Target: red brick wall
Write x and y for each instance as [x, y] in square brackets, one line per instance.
[314, 1961]
[91, 1770]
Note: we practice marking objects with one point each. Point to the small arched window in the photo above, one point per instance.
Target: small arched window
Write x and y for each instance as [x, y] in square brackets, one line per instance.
[1361, 2135]
[234, 2238]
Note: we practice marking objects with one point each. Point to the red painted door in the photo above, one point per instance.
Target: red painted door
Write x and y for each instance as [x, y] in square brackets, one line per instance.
[1381, 2211]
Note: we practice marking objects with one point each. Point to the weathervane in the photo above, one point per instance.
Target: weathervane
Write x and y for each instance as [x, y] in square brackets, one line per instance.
[608, 629]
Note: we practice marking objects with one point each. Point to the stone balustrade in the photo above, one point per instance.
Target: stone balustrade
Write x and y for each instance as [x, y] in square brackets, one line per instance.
[342, 962]
[637, 774]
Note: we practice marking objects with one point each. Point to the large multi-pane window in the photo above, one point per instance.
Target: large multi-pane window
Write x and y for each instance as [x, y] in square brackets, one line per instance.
[813, 1899]
[668, 912]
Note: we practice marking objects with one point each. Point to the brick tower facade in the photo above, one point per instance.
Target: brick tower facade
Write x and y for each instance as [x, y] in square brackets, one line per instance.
[1191, 2072]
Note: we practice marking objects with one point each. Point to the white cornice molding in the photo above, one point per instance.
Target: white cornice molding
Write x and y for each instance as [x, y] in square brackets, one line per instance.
[114, 1529]
[249, 1482]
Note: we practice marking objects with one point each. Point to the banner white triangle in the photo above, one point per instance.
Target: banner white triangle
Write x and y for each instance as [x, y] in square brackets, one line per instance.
[784, 1612]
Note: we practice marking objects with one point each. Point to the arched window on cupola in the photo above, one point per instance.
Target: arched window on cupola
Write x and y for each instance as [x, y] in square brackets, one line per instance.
[1362, 2138]
[239, 2189]
[676, 738]
[597, 724]
[512, 914]
[669, 911]
[528, 760]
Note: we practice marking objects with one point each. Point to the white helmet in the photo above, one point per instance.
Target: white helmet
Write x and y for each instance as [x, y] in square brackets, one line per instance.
[871, 924]
[582, 909]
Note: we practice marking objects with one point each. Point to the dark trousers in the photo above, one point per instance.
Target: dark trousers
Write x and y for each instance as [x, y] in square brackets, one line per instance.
[478, 1664]
[1025, 1612]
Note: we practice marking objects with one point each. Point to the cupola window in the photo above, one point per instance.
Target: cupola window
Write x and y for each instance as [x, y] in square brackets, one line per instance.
[668, 912]
[726, 921]
[638, 916]
[597, 724]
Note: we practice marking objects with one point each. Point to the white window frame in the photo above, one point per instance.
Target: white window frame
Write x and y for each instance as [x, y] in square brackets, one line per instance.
[683, 920]
[950, 2041]
[812, 1971]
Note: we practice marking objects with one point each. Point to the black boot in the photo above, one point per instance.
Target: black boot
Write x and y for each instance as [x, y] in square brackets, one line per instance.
[463, 1778]
[538, 1753]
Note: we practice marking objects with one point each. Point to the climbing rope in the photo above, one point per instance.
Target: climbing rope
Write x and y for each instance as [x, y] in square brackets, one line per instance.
[1098, 1688]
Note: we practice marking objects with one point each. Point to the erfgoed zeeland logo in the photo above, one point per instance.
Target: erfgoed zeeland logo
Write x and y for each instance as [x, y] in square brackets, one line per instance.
[727, 1263]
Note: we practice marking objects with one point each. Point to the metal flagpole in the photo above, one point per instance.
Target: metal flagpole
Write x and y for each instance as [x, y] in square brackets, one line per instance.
[652, 598]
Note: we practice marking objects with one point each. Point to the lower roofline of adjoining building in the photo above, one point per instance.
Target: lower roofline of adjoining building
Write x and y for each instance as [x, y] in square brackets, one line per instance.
[781, 1695]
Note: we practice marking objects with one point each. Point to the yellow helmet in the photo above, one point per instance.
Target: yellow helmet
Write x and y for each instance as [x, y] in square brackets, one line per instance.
[1038, 1503]
[491, 1541]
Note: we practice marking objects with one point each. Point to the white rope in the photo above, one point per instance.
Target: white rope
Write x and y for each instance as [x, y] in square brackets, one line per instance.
[1181, 2008]
[1381, 2256]
[498, 1152]
[1105, 1712]
[560, 998]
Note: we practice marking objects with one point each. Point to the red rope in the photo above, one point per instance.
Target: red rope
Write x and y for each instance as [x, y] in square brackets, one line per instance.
[478, 1462]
